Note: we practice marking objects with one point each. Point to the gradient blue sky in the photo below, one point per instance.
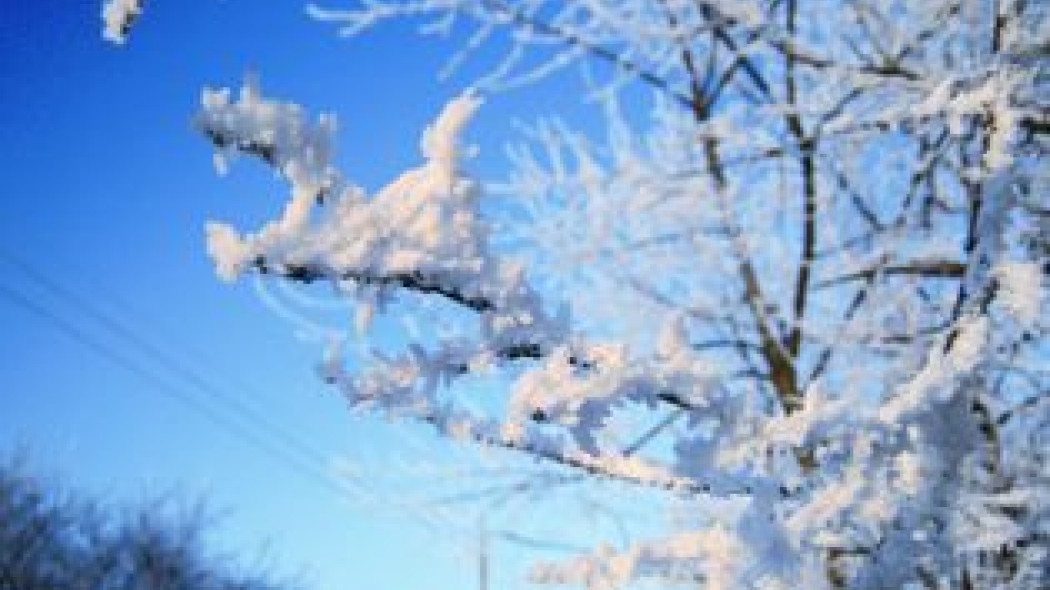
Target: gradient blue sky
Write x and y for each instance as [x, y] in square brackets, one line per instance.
[107, 188]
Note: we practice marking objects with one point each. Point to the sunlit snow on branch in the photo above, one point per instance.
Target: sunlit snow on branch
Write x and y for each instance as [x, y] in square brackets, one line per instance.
[422, 233]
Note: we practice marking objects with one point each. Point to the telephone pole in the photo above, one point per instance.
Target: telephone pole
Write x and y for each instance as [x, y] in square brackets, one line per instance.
[483, 555]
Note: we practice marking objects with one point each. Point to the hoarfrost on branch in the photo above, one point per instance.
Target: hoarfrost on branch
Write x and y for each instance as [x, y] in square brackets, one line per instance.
[818, 267]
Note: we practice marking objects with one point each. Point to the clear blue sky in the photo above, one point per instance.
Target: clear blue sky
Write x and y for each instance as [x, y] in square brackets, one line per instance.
[107, 188]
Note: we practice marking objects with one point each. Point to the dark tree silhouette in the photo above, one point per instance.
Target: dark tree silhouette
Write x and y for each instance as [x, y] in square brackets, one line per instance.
[52, 539]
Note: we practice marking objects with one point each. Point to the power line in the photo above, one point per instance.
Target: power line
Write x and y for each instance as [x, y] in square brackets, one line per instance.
[291, 459]
[167, 360]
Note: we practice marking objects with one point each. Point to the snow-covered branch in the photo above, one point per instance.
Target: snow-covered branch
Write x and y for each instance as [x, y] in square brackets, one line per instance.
[843, 202]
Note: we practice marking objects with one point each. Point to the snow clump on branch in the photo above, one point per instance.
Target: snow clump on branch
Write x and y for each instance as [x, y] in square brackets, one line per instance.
[118, 16]
[423, 232]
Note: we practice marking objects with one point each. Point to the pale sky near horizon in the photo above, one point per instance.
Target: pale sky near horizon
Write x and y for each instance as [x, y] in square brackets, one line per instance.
[119, 337]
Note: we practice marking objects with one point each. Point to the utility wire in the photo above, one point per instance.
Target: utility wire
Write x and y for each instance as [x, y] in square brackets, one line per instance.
[168, 361]
[239, 429]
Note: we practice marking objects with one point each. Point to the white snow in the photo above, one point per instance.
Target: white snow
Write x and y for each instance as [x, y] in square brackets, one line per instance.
[117, 18]
[1021, 289]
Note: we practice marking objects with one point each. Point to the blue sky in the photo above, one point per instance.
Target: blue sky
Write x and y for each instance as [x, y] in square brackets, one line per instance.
[107, 190]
